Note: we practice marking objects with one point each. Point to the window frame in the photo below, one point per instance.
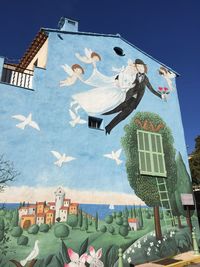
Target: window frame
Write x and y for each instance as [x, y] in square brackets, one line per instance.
[151, 154]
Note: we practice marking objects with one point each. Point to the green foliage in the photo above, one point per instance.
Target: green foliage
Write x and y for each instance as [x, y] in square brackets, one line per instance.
[22, 240]
[114, 214]
[33, 229]
[2, 224]
[183, 185]
[148, 215]
[194, 162]
[72, 220]
[61, 231]
[80, 218]
[16, 231]
[119, 221]
[119, 214]
[103, 228]
[111, 229]
[44, 228]
[111, 256]
[123, 230]
[141, 223]
[15, 218]
[144, 188]
[97, 221]
[109, 219]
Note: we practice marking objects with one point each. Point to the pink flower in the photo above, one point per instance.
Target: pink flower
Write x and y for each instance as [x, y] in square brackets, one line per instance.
[93, 258]
[160, 88]
[166, 89]
[76, 261]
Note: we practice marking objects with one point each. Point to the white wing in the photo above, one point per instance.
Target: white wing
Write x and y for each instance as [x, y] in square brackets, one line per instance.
[19, 117]
[118, 152]
[83, 58]
[108, 156]
[56, 154]
[34, 125]
[118, 161]
[88, 52]
[67, 159]
[67, 69]
[72, 114]
[82, 121]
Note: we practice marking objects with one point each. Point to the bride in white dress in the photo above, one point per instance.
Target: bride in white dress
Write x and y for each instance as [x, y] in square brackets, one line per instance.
[108, 91]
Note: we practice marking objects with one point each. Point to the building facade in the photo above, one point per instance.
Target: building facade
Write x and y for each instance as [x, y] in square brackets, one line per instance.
[93, 118]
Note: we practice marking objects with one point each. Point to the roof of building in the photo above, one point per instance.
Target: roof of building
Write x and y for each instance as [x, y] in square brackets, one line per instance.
[40, 214]
[74, 204]
[42, 36]
[132, 220]
[51, 211]
[64, 208]
[23, 208]
[40, 203]
[51, 203]
[28, 215]
[67, 199]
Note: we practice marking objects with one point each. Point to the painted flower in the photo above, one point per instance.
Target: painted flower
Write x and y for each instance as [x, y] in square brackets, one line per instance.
[159, 241]
[93, 258]
[76, 261]
[160, 88]
[129, 260]
[139, 245]
[166, 89]
[151, 244]
[124, 256]
[133, 251]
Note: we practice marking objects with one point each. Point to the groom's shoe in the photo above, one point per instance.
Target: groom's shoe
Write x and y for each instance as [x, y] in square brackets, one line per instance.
[107, 130]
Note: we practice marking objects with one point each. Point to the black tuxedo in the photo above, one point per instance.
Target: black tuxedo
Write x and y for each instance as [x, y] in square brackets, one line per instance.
[133, 98]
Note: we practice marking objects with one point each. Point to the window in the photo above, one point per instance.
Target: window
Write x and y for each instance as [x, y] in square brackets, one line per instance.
[95, 123]
[151, 155]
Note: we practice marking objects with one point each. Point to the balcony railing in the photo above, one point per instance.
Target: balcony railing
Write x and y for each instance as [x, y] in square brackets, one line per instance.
[12, 74]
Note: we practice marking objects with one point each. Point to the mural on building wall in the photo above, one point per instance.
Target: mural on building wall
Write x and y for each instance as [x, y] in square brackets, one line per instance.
[82, 200]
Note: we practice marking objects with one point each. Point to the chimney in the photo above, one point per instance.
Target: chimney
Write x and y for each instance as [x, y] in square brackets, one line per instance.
[68, 25]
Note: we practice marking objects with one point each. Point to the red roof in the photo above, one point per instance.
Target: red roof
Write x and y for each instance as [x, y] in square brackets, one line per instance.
[51, 203]
[23, 208]
[32, 206]
[31, 215]
[64, 208]
[51, 211]
[74, 204]
[67, 199]
[40, 203]
[132, 220]
[40, 214]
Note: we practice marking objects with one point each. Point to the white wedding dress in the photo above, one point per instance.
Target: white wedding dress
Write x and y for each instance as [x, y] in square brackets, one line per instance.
[108, 92]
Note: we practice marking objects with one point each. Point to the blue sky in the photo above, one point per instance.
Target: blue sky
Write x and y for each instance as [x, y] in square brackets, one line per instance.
[167, 30]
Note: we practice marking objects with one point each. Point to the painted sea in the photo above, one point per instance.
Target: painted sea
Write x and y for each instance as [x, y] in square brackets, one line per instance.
[91, 209]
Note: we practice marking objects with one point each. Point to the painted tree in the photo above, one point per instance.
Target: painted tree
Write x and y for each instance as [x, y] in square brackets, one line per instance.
[97, 221]
[194, 162]
[145, 187]
[7, 172]
[140, 217]
[80, 218]
[183, 186]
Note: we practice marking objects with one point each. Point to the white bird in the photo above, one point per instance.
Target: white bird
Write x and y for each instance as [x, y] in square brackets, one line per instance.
[115, 156]
[34, 253]
[61, 158]
[26, 121]
[76, 119]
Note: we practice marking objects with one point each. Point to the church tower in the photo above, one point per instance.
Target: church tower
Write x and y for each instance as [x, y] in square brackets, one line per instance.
[59, 200]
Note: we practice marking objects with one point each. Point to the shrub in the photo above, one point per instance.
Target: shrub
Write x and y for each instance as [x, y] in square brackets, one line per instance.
[119, 221]
[119, 214]
[33, 229]
[103, 228]
[1, 235]
[22, 240]
[44, 228]
[61, 231]
[123, 231]
[111, 229]
[109, 219]
[16, 231]
[72, 220]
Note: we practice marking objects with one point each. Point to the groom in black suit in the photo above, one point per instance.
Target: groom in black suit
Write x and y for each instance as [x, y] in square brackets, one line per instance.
[133, 96]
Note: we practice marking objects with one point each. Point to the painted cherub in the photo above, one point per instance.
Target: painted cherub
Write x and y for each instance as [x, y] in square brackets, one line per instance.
[90, 57]
[75, 72]
[168, 76]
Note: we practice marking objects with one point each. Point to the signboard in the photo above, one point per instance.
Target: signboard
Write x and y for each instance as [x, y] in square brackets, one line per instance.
[187, 199]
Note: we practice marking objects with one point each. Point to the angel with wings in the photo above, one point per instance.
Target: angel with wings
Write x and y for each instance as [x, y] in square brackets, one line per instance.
[168, 76]
[90, 57]
[75, 72]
